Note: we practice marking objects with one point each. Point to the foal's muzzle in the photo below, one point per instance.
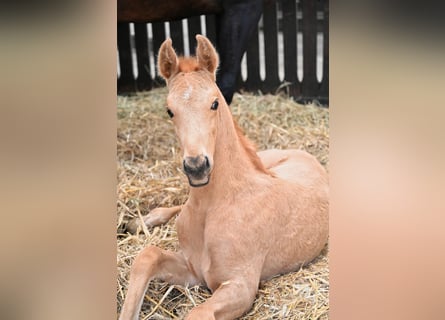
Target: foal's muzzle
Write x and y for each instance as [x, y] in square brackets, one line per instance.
[197, 170]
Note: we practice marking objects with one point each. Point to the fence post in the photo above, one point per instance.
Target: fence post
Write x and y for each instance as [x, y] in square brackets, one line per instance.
[177, 36]
[141, 38]
[324, 88]
[194, 25]
[270, 30]
[290, 47]
[253, 80]
[125, 83]
[310, 83]
[211, 29]
[158, 38]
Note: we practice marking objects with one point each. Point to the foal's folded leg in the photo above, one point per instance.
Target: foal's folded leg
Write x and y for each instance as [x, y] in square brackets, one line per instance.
[160, 216]
[153, 263]
[154, 218]
[231, 300]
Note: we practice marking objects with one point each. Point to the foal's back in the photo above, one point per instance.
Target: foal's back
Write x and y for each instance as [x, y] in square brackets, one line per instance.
[299, 220]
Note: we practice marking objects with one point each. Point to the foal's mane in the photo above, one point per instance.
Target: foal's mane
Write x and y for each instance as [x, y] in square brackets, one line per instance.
[251, 150]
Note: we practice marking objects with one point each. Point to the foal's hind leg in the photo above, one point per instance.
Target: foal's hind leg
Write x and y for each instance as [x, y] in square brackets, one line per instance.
[272, 157]
[154, 218]
[153, 263]
[231, 300]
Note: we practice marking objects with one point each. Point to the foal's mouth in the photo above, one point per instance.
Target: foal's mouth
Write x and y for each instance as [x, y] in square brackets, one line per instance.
[194, 182]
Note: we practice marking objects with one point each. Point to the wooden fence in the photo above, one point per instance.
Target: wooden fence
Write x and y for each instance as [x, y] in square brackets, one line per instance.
[289, 50]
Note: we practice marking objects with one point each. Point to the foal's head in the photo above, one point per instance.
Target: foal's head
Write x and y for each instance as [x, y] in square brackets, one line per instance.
[192, 103]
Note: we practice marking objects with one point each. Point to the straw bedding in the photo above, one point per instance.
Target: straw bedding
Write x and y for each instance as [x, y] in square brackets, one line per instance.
[149, 176]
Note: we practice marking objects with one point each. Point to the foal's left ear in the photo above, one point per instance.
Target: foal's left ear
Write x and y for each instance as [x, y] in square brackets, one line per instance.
[206, 55]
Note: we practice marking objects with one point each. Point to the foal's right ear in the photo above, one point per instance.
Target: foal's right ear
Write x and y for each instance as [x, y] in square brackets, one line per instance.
[167, 60]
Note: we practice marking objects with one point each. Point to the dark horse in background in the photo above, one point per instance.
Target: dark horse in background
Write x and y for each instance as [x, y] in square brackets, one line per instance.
[235, 22]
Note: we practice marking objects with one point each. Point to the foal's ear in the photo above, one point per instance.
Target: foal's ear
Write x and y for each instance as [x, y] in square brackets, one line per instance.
[167, 60]
[206, 55]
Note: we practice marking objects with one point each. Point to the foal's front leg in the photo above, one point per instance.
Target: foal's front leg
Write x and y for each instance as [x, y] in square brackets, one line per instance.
[231, 300]
[154, 218]
[160, 216]
[153, 263]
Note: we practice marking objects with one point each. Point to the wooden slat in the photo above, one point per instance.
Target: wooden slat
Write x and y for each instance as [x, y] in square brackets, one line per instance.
[310, 83]
[194, 25]
[290, 46]
[177, 36]
[308, 89]
[158, 38]
[324, 88]
[125, 83]
[270, 30]
[143, 81]
[211, 29]
[320, 8]
[253, 80]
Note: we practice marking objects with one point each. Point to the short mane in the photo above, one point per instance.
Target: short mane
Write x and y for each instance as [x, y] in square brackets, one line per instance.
[251, 150]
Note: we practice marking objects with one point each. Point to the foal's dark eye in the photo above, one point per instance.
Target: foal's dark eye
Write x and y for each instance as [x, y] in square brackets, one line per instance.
[170, 113]
[214, 105]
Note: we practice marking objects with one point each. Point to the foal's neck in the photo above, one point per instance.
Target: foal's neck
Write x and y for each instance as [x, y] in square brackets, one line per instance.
[234, 151]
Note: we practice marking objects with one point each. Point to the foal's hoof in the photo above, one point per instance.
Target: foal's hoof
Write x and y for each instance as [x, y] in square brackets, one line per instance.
[133, 225]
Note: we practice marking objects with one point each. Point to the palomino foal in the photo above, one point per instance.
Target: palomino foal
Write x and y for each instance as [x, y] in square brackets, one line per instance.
[249, 216]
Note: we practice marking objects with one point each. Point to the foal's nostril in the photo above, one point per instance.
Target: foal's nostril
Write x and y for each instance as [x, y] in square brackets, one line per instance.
[196, 165]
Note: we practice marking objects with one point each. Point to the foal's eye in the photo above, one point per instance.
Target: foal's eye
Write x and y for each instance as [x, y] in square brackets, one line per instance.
[214, 105]
[170, 113]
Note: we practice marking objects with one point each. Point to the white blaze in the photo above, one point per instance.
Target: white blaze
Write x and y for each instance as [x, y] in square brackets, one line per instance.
[188, 93]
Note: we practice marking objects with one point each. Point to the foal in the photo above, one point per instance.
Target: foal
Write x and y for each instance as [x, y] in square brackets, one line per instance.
[249, 216]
